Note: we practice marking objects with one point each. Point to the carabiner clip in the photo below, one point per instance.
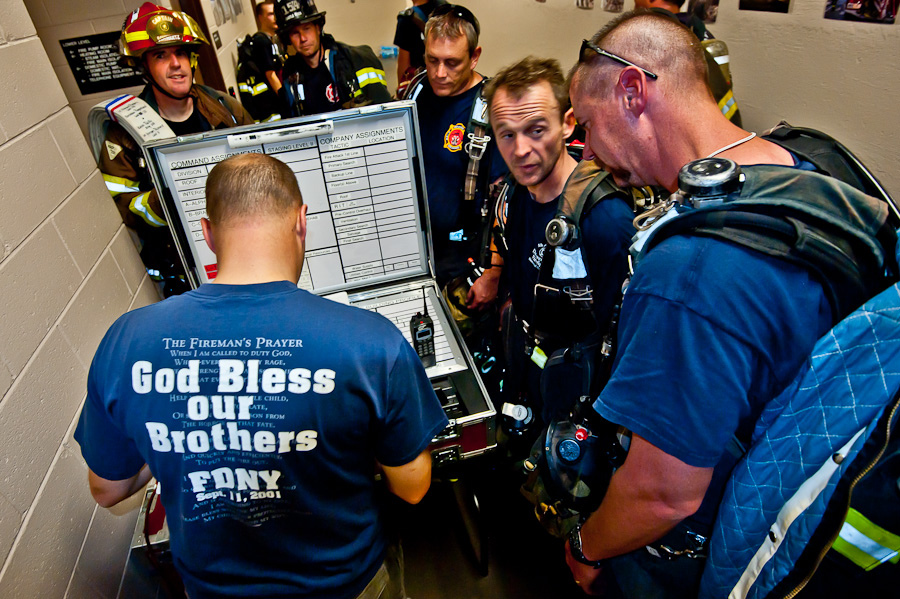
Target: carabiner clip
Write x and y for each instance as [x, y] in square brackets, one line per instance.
[645, 220]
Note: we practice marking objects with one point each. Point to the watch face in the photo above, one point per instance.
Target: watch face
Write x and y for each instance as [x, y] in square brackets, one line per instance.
[575, 542]
[575, 546]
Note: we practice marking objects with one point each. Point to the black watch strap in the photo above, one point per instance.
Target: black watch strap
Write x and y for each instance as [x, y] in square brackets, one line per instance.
[575, 547]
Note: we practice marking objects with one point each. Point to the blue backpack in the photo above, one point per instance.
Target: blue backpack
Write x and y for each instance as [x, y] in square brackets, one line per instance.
[787, 499]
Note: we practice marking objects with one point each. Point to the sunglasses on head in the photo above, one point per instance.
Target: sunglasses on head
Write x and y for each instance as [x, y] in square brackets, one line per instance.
[587, 45]
[460, 12]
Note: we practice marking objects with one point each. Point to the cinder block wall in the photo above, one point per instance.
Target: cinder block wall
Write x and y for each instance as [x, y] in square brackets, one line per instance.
[63, 19]
[67, 269]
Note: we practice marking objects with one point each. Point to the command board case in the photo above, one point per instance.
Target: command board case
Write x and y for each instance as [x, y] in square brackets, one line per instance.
[367, 245]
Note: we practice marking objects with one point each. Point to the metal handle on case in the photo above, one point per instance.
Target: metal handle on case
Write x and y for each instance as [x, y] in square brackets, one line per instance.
[242, 140]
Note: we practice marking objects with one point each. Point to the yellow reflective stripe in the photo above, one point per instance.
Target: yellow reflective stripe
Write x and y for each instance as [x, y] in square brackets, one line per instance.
[136, 36]
[140, 205]
[370, 75]
[728, 105]
[117, 185]
[865, 543]
[253, 90]
[272, 117]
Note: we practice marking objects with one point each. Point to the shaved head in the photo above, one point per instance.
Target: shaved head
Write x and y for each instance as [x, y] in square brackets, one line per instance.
[250, 187]
[650, 40]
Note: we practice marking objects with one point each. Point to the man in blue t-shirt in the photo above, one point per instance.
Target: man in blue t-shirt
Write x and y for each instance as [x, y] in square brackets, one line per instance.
[265, 412]
[710, 331]
[444, 102]
[529, 109]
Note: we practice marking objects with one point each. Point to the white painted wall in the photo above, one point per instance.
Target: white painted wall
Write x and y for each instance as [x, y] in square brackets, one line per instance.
[840, 77]
[230, 32]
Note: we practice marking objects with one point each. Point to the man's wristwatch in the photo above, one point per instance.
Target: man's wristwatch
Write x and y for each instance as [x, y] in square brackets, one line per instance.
[575, 547]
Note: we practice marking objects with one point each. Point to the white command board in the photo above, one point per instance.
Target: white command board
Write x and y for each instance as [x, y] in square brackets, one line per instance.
[356, 171]
[366, 242]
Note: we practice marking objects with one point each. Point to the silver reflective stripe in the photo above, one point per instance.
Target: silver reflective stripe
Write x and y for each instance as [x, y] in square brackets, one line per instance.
[728, 106]
[117, 188]
[794, 507]
[141, 207]
[879, 552]
[369, 75]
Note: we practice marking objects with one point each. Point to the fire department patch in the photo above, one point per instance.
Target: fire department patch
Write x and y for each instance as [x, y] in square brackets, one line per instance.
[331, 94]
[112, 149]
[453, 138]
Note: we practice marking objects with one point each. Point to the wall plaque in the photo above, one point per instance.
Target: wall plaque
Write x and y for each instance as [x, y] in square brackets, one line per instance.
[93, 60]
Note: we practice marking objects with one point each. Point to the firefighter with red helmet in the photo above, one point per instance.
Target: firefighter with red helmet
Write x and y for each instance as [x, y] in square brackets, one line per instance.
[162, 45]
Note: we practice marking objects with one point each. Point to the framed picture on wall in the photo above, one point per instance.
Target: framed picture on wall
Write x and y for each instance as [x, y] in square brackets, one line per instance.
[871, 11]
[765, 5]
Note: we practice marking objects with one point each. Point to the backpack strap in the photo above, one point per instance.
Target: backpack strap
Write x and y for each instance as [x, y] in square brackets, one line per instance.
[834, 231]
[419, 18]
[844, 268]
[832, 158]
[477, 134]
[563, 279]
[586, 186]
[476, 186]
[418, 15]
[137, 117]
[415, 86]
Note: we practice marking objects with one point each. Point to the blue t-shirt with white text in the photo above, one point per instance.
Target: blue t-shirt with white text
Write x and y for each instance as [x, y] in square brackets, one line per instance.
[261, 409]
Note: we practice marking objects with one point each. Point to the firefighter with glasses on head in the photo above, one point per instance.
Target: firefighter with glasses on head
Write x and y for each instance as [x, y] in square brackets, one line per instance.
[717, 318]
[461, 158]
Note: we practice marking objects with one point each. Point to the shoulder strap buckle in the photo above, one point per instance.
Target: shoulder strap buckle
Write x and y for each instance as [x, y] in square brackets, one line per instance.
[579, 293]
[477, 145]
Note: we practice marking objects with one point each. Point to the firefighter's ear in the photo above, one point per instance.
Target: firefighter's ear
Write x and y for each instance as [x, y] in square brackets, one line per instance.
[568, 123]
[632, 90]
[476, 54]
[207, 234]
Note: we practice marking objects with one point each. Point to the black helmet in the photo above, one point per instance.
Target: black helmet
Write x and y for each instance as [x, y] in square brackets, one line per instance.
[295, 12]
